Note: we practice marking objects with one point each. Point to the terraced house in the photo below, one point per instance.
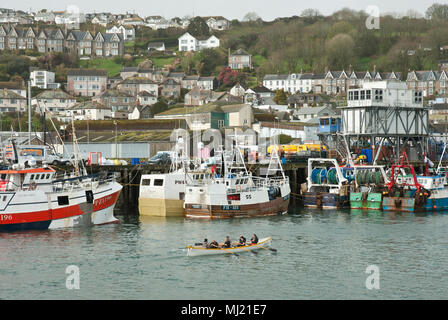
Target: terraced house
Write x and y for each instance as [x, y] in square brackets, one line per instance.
[134, 85]
[11, 101]
[429, 82]
[12, 38]
[86, 82]
[55, 101]
[329, 82]
[120, 103]
[83, 43]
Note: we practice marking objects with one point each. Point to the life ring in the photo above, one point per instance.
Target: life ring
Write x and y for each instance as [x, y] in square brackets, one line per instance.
[33, 185]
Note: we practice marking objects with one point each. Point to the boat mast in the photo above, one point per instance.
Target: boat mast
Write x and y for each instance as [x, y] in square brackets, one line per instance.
[29, 113]
[75, 152]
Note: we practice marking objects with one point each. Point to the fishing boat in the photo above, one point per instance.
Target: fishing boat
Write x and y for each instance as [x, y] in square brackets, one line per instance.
[163, 194]
[200, 251]
[35, 198]
[369, 181]
[328, 184]
[236, 193]
[407, 191]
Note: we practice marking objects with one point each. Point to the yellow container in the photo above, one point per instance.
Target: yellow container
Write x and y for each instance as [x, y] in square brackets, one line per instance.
[278, 148]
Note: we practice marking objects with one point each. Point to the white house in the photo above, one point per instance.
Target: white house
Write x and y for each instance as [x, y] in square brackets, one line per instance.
[146, 98]
[158, 46]
[237, 90]
[43, 79]
[89, 111]
[189, 43]
[128, 32]
[55, 101]
[217, 23]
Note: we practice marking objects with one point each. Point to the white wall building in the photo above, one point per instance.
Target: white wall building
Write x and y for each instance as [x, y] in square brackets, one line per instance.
[43, 79]
[386, 108]
[189, 43]
[292, 83]
[127, 32]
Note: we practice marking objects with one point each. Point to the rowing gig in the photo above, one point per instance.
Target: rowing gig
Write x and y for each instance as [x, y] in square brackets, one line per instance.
[199, 251]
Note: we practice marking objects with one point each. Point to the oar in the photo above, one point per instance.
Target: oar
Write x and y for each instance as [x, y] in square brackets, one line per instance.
[230, 252]
[272, 249]
[248, 250]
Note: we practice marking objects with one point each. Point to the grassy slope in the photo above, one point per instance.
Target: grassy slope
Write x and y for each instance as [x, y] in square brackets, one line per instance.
[112, 68]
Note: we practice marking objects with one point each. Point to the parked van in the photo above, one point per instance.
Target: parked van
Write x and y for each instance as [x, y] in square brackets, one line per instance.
[42, 154]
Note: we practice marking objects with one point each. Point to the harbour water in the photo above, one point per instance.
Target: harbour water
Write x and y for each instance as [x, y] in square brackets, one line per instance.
[320, 255]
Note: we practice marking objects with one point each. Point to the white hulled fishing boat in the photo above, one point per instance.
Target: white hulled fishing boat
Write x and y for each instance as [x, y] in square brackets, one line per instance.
[36, 198]
[236, 193]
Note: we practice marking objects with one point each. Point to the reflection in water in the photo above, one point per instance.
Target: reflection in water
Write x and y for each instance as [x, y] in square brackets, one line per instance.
[321, 255]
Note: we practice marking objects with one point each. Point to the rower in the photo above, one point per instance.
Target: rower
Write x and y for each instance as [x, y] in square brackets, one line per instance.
[254, 239]
[214, 244]
[205, 244]
[242, 241]
[227, 243]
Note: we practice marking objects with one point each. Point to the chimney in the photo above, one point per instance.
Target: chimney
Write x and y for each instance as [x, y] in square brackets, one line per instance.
[350, 69]
[374, 69]
[326, 69]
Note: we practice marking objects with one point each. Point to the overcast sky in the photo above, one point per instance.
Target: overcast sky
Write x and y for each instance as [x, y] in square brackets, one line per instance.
[231, 9]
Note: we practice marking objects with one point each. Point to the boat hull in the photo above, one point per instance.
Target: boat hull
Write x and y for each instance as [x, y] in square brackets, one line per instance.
[161, 207]
[200, 251]
[325, 200]
[365, 200]
[39, 215]
[270, 208]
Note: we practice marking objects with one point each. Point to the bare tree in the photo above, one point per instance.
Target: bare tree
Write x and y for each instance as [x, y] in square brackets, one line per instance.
[251, 16]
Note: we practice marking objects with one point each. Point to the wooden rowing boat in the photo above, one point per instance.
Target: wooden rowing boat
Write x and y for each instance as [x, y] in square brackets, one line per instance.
[199, 251]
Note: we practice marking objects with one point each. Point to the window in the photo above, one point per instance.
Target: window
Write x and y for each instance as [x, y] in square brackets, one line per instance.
[368, 94]
[378, 95]
[363, 95]
[158, 182]
[146, 182]
[63, 200]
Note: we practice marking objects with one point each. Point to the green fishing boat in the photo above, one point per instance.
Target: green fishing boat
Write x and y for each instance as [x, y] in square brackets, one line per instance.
[368, 180]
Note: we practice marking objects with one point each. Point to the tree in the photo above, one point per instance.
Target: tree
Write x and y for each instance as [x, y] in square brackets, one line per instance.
[251, 16]
[340, 51]
[437, 11]
[198, 27]
[280, 97]
[231, 77]
[159, 107]
[310, 15]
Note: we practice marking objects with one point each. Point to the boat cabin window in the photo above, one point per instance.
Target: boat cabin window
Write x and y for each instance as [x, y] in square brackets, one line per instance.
[48, 176]
[158, 182]
[146, 182]
[32, 177]
[4, 198]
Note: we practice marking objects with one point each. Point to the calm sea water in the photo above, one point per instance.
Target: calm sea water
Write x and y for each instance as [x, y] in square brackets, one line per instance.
[321, 255]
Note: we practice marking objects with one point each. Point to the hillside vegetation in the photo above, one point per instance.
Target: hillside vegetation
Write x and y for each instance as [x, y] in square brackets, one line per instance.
[309, 42]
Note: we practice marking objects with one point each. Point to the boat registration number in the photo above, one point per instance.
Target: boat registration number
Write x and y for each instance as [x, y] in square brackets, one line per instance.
[230, 207]
[5, 217]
